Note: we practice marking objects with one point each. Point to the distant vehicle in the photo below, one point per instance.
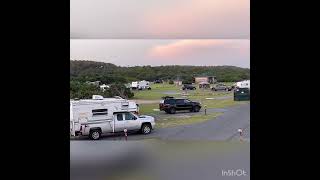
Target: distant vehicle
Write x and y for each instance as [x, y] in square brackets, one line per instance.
[243, 84]
[241, 94]
[103, 87]
[188, 87]
[97, 116]
[141, 85]
[158, 81]
[221, 87]
[170, 105]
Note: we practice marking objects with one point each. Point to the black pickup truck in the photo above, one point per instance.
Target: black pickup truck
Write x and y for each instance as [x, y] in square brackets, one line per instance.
[170, 105]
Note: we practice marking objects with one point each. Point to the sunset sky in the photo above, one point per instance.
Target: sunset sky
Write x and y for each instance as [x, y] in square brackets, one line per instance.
[183, 19]
[165, 32]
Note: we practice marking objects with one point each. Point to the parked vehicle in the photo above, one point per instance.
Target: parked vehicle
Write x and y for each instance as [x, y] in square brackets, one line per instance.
[221, 87]
[171, 105]
[141, 85]
[188, 87]
[158, 81]
[241, 94]
[97, 116]
[243, 84]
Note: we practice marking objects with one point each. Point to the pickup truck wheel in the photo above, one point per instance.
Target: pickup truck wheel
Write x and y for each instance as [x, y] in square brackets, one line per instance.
[196, 109]
[95, 134]
[172, 110]
[146, 129]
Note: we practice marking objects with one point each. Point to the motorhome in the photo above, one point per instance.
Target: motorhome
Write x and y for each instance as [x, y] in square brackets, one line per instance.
[97, 116]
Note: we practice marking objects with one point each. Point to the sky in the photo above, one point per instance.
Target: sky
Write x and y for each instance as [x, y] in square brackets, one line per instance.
[155, 52]
[157, 19]
[165, 32]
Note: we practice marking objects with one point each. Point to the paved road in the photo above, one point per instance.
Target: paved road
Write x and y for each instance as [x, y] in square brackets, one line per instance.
[222, 128]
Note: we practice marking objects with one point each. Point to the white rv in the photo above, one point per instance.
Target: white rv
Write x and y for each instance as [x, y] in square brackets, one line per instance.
[141, 85]
[97, 116]
[243, 84]
[103, 87]
[135, 85]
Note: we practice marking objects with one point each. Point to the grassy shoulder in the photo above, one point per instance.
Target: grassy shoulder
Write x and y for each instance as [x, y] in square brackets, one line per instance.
[149, 109]
[185, 120]
[221, 103]
[153, 109]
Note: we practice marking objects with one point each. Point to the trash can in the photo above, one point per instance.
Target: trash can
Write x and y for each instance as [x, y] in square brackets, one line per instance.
[241, 94]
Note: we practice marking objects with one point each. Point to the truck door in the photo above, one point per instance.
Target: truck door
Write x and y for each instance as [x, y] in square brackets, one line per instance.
[131, 121]
[119, 122]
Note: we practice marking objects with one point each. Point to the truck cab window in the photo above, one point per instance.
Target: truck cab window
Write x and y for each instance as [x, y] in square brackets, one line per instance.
[129, 116]
[119, 117]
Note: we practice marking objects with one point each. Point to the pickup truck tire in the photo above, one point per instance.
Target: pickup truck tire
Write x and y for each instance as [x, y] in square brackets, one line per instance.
[95, 134]
[196, 109]
[172, 110]
[146, 129]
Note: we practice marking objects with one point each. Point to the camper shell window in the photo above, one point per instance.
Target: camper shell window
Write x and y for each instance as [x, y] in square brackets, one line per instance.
[96, 112]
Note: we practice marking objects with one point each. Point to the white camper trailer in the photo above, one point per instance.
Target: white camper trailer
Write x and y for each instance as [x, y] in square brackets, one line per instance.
[97, 116]
[141, 85]
[144, 84]
[135, 85]
[243, 84]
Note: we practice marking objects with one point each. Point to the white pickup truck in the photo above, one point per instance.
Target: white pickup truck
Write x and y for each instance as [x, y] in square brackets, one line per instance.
[96, 117]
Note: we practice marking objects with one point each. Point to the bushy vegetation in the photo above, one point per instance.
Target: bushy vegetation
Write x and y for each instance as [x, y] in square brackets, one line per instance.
[84, 71]
[109, 73]
[85, 91]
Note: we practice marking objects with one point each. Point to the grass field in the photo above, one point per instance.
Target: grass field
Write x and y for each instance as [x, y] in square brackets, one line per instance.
[185, 120]
[160, 90]
[220, 99]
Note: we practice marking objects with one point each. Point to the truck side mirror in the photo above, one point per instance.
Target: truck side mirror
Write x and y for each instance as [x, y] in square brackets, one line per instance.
[134, 118]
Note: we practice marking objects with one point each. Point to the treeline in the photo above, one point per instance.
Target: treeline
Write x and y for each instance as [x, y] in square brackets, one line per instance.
[82, 71]
[79, 90]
